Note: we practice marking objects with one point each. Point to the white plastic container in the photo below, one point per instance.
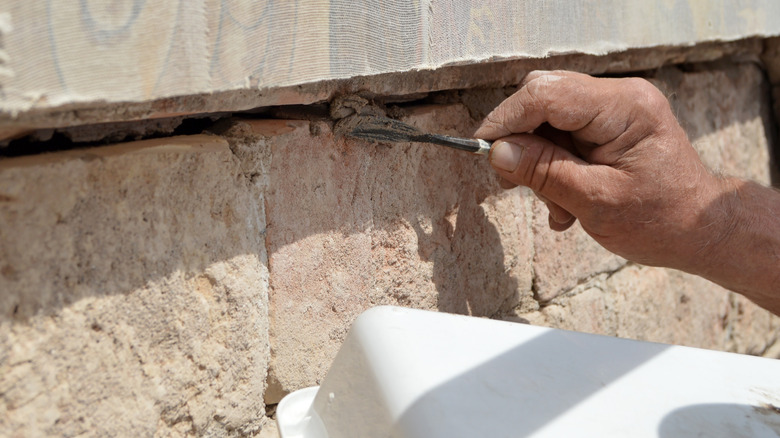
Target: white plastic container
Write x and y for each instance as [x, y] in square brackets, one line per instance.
[409, 373]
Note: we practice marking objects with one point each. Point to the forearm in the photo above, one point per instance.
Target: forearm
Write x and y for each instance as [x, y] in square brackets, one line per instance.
[743, 252]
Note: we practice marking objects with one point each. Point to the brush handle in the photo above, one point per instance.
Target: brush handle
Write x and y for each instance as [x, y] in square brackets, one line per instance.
[473, 145]
[382, 129]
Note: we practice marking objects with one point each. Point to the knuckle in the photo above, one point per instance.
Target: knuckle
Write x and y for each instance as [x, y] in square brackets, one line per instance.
[538, 74]
[539, 94]
[533, 75]
[647, 95]
[650, 106]
[495, 121]
[638, 84]
[540, 87]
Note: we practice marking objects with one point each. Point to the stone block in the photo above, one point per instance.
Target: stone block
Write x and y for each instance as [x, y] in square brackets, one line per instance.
[662, 305]
[564, 260]
[134, 292]
[352, 225]
[726, 112]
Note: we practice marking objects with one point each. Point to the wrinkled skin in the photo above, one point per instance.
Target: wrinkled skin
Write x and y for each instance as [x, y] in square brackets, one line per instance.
[611, 154]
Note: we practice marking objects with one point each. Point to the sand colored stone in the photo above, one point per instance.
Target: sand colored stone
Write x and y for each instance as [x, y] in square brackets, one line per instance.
[726, 111]
[642, 303]
[564, 260]
[134, 295]
[407, 224]
[661, 305]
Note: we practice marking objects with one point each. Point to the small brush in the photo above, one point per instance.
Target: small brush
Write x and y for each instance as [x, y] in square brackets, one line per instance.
[385, 130]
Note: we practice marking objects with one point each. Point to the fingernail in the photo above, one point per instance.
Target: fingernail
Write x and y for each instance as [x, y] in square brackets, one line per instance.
[505, 156]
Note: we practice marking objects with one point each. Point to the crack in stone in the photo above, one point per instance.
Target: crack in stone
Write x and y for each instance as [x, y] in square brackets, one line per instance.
[581, 282]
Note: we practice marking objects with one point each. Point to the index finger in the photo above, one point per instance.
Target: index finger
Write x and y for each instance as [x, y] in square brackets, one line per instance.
[568, 101]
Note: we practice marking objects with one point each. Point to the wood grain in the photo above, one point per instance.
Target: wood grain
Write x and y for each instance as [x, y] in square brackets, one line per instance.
[101, 55]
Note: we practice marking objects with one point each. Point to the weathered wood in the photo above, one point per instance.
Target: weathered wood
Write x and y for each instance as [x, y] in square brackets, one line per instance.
[131, 59]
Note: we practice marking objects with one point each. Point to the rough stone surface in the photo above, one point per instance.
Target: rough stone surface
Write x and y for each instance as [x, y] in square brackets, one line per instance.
[270, 430]
[408, 224]
[114, 132]
[642, 303]
[662, 305]
[726, 111]
[564, 260]
[134, 292]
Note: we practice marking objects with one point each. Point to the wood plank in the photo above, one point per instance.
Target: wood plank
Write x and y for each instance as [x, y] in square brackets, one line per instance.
[67, 63]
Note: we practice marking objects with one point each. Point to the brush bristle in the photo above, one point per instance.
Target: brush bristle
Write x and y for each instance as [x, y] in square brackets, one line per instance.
[378, 129]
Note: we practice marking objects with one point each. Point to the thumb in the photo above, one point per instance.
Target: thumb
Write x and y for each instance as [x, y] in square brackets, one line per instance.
[550, 170]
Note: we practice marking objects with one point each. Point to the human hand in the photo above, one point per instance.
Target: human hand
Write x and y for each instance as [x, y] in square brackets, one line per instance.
[610, 153]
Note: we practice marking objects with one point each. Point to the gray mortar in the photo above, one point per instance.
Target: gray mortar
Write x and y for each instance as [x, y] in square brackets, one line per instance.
[350, 104]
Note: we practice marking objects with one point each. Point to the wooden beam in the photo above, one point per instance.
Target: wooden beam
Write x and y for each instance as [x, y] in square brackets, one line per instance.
[68, 63]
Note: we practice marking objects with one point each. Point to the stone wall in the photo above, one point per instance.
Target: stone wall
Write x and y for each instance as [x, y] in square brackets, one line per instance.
[181, 286]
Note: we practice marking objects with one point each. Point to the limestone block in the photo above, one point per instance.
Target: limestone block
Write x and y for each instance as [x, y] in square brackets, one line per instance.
[745, 326]
[668, 306]
[726, 112]
[672, 307]
[564, 260]
[134, 292]
[367, 224]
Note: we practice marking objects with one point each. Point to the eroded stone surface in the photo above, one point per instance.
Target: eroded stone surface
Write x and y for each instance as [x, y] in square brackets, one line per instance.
[494, 74]
[564, 260]
[726, 112]
[134, 292]
[642, 303]
[662, 305]
[366, 224]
